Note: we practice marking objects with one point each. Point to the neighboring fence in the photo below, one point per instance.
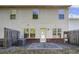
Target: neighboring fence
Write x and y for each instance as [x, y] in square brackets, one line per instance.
[1, 42]
[73, 37]
[10, 37]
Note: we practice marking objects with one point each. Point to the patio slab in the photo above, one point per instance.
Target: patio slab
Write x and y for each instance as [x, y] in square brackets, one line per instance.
[46, 46]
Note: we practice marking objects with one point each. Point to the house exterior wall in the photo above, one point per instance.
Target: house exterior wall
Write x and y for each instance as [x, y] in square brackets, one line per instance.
[48, 18]
[74, 24]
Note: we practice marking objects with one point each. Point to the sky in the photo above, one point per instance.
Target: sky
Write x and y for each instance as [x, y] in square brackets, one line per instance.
[74, 11]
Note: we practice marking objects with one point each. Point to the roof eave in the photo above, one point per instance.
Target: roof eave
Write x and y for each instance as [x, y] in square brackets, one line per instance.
[35, 5]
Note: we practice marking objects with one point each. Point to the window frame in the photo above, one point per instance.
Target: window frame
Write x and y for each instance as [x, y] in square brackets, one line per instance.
[35, 14]
[29, 33]
[32, 34]
[26, 32]
[13, 14]
[61, 14]
[54, 31]
[58, 32]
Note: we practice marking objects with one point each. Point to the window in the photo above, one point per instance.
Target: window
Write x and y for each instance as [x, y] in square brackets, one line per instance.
[35, 13]
[43, 29]
[13, 14]
[29, 33]
[32, 32]
[26, 33]
[57, 32]
[54, 31]
[61, 14]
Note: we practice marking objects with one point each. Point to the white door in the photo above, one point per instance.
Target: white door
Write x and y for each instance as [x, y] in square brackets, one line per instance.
[43, 35]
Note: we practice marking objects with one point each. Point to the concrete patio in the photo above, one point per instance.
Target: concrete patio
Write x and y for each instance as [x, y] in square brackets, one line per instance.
[46, 46]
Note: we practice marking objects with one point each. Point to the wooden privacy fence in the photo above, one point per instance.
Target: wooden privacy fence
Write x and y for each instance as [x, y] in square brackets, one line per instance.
[73, 37]
[10, 37]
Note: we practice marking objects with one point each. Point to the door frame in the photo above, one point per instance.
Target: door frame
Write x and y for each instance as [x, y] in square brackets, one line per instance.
[43, 31]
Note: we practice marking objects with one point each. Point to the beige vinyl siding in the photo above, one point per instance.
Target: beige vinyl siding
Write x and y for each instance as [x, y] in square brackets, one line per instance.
[48, 18]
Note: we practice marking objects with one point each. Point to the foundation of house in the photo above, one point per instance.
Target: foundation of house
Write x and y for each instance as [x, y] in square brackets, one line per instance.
[50, 40]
